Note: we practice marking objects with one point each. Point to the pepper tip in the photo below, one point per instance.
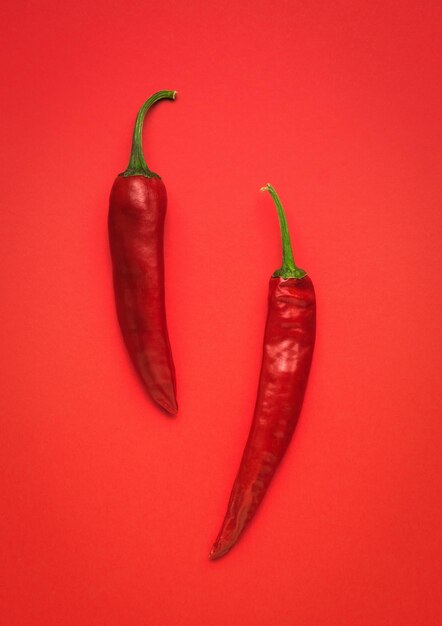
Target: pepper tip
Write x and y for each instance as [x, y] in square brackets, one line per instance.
[219, 549]
[213, 554]
[171, 408]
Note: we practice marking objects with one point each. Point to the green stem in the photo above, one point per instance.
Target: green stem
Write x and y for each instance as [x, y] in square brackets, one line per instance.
[137, 165]
[288, 269]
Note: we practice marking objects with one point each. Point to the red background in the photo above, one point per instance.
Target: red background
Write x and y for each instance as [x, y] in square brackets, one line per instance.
[109, 508]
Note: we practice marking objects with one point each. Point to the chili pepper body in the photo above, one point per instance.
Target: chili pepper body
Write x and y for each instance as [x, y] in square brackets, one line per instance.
[137, 210]
[287, 355]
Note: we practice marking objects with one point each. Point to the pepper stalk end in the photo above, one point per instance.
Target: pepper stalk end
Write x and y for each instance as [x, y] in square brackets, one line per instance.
[288, 268]
[137, 164]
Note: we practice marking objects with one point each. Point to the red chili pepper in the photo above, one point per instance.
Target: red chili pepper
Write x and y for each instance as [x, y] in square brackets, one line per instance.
[137, 209]
[288, 349]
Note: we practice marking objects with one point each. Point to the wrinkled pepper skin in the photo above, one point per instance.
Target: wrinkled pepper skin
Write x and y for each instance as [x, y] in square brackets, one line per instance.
[137, 210]
[289, 340]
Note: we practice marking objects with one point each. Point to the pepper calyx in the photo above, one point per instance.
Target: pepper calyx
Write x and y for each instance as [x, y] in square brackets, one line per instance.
[288, 269]
[137, 164]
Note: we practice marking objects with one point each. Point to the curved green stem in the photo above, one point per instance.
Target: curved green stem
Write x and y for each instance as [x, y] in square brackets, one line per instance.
[288, 269]
[137, 165]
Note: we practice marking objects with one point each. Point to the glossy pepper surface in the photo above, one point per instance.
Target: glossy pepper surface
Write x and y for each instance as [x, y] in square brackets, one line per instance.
[137, 211]
[287, 355]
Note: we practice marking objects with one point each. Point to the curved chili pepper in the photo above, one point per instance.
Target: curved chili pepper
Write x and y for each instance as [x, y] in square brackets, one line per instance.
[288, 349]
[137, 210]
